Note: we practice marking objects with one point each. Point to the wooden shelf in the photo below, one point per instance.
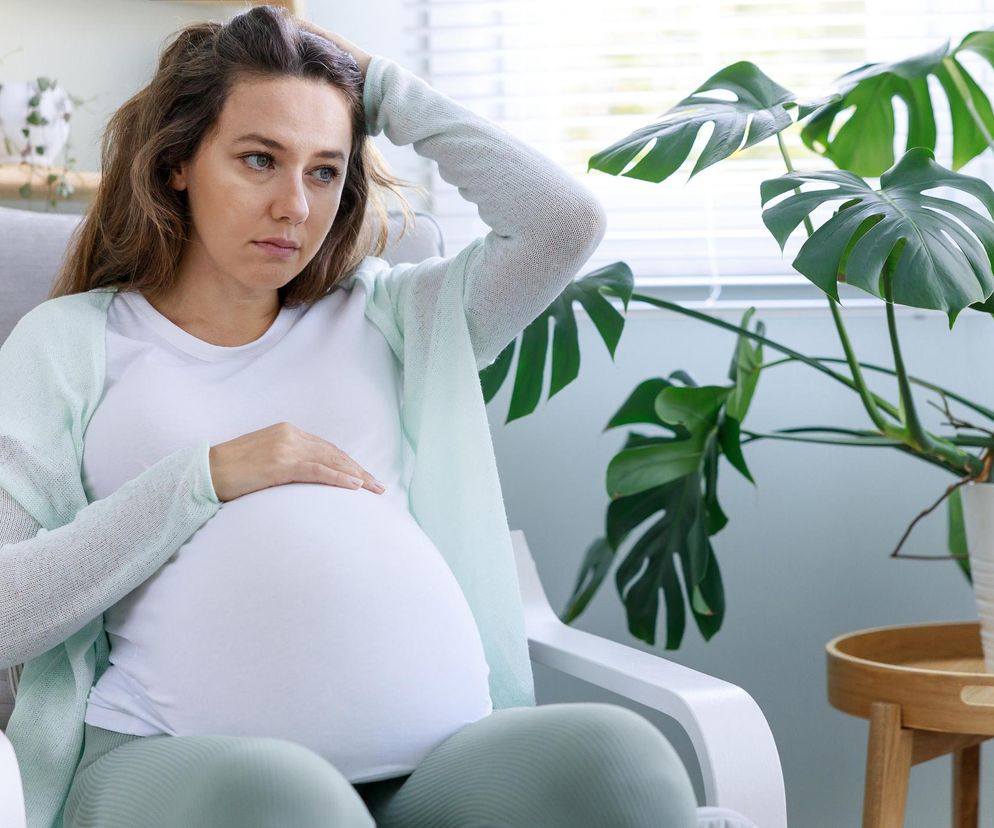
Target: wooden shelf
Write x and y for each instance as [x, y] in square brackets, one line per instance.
[15, 176]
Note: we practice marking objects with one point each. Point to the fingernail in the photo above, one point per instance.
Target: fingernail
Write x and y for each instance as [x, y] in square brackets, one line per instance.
[356, 480]
[378, 485]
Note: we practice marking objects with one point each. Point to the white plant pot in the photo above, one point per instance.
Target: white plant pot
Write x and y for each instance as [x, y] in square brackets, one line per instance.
[54, 105]
[978, 520]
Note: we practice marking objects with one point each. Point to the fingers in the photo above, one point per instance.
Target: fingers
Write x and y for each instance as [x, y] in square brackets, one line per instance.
[338, 459]
[361, 57]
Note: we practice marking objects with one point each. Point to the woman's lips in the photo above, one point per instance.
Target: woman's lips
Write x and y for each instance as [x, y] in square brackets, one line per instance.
[276, 250]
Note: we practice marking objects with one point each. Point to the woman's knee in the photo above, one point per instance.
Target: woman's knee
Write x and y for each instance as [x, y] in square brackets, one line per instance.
[616, 759]
[271, 783]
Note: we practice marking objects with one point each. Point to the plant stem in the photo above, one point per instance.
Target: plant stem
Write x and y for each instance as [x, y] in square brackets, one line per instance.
[954, 439]
[881, 442]
[853, 432]
[923, 442]
[931, 386]
[776, 346]
[915, 431]
[973, 442]
[857, 375]
[865, 395]
[949, 467]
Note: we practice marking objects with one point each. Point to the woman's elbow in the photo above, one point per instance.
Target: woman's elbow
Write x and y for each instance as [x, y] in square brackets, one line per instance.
[588, 225]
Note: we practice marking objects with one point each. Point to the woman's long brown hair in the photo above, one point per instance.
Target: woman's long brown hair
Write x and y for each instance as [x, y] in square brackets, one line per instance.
[134, 230]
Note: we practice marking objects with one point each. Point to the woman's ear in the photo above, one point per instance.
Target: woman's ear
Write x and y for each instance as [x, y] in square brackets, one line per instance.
[177, 178]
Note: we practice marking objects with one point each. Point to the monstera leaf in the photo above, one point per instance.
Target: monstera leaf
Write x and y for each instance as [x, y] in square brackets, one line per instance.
[937, 262]
[956, 537]
[680, 533]
[864, 144]
[758, 98]
[590, 292]
[676, 475]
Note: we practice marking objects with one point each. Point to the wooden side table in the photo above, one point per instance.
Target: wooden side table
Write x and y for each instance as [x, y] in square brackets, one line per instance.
[926, 693]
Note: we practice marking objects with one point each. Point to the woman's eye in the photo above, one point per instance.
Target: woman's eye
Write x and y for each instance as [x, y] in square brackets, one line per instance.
[259, 155]
[333, 171]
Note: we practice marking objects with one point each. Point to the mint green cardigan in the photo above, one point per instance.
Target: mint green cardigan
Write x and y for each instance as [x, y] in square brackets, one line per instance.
[52, 375]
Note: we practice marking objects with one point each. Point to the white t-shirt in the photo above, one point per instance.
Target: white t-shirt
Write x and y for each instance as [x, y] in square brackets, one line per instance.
[311, 612]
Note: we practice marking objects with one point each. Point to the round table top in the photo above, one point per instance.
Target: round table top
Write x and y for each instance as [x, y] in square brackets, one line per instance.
[935, 672]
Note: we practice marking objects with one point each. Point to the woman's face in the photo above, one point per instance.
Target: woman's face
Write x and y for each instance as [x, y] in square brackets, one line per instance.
[275, 168]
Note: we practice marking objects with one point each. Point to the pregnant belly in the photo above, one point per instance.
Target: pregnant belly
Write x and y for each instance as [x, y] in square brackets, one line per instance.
[313, 613]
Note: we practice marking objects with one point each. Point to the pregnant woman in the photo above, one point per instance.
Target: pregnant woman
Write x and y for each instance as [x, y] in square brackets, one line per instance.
[253, 553]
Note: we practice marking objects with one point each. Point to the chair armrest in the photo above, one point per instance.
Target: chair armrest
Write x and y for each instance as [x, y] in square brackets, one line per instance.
[730, 734]
[12, 814]
[734, 745]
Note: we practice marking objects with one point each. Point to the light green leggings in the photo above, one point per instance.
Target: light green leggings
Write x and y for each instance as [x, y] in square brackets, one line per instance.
[569, 765]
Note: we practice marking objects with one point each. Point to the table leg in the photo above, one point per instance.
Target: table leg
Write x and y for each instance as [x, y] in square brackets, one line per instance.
[888, 764]
[966, 787]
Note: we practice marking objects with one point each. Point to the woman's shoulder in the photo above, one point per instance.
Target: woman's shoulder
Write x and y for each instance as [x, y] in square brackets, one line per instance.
[368, 271]
[63, 321]
[73, 303]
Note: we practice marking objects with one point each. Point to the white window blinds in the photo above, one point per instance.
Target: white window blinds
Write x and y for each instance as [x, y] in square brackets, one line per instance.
[571, 78]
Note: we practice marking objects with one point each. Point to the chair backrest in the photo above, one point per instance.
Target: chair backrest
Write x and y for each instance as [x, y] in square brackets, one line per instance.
[33, 246]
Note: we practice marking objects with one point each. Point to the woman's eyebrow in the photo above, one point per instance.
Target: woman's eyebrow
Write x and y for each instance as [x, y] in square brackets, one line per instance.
[254, 137]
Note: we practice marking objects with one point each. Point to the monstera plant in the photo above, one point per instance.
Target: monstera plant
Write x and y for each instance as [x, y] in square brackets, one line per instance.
[896, 241]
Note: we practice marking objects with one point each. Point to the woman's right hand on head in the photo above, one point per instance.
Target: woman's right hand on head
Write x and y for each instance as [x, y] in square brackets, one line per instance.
[282, 453]
[362, 58]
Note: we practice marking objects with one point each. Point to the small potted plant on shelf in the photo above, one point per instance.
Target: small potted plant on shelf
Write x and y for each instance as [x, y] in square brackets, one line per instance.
[34, 126]
[896, 242]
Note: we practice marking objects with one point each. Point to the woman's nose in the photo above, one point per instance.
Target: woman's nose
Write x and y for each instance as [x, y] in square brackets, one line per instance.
[291, 201]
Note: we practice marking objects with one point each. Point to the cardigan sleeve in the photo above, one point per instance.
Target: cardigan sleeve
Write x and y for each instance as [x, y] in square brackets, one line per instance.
[63, 560]
[544, 222]
[52, 583]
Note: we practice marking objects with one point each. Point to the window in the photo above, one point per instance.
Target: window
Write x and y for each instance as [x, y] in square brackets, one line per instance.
[571, 78]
